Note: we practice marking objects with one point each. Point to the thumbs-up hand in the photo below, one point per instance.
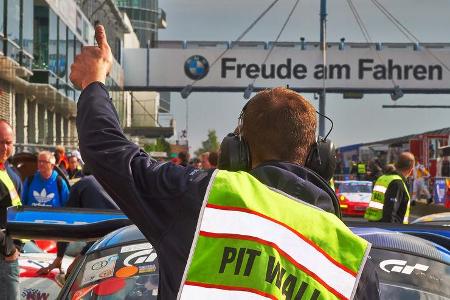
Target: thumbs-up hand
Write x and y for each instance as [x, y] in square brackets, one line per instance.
[93, 63]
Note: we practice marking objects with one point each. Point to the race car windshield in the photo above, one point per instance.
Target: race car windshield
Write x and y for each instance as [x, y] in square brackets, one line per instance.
[124, 272]
[355, 188]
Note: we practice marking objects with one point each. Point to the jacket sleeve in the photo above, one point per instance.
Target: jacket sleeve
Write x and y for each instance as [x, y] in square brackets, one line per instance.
[148, 192]
[23, 196]
[369, 285]
[13, 174]
[65, 193]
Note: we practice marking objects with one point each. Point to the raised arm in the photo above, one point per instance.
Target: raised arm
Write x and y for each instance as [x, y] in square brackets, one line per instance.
[144, 189]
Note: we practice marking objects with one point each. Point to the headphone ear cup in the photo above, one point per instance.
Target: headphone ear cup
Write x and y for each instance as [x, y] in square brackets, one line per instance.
[322, 158]
[234, 154]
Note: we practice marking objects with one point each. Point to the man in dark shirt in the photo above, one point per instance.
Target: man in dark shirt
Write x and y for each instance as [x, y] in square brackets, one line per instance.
[164, 200]
[74, 170]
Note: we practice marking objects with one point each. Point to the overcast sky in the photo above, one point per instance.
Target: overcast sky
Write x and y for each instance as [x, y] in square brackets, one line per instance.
[355, 121]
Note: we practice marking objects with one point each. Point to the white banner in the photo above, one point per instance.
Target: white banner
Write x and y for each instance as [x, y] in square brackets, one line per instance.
[353, 68]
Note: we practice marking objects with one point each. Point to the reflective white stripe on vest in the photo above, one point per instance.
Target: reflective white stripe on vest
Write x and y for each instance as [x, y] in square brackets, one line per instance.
[376, 205]
[247, 224]
[195, 292]
[380, 188]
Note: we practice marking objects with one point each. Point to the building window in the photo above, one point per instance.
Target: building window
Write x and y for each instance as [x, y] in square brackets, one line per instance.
[70, 59]
[41, 37]
[12, 28]
[2, 7]
[62, 50]
[27, 33]
[53, 42]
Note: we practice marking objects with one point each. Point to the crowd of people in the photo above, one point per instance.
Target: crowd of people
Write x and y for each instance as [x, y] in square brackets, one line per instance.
[60, 180]
[206, 161]
[418, 183]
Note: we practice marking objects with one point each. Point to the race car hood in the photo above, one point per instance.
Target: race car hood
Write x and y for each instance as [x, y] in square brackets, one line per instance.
[357, 197]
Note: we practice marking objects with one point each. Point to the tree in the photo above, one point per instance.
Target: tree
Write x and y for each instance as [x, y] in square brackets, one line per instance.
[210, 145]
[161, 145]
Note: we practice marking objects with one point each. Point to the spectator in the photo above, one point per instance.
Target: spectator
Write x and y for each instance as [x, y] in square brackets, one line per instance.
[204, 158]
[420, 186]
[389, 169]
[199, 220]
[184, 158]
[45, 187]
[77, 154]
[61, 158]
[10, 189]
[195, 162]
[375, 169]
[213, 159]
[175, 160]
[74, 170]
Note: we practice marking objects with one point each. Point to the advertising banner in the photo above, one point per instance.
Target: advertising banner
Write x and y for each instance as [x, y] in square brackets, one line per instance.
[440, 190]
[356, 67]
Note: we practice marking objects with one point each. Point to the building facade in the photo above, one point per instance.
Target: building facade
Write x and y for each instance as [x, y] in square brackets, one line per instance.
[146, 18]
[40, 39]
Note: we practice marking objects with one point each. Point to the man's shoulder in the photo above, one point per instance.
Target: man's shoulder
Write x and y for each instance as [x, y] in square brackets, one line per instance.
[396, 184]
[12, 172]
[296, 181]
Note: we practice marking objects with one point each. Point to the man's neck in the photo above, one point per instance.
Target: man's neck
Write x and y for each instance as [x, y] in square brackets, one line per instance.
[46, 177]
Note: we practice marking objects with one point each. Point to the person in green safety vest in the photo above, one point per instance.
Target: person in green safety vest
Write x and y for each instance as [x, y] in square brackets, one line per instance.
[390, 200]
[10, 189]
[361, 170]
[252, 233]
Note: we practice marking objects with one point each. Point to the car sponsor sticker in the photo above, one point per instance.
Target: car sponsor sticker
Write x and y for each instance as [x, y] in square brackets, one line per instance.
[100, 268]
[147, 269]
[137, 247]
[400, 266]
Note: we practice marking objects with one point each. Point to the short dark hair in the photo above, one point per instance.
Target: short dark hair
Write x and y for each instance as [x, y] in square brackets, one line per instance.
[405, 161]
[213, 158]
[183, 156]
[279, 124]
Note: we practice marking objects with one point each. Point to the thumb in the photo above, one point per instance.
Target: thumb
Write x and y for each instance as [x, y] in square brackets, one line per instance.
[100, 37]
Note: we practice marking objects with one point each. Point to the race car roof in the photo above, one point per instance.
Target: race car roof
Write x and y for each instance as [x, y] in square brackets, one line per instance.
[120, 236]
[387, 239]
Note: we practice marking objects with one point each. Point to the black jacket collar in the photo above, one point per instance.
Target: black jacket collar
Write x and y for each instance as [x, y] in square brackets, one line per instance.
[296, 181]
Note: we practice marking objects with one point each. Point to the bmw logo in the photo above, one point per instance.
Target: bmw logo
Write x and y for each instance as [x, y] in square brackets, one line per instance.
[196, 67]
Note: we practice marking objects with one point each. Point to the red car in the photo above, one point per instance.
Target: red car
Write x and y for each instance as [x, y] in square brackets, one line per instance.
[32, 285]
[354, 196]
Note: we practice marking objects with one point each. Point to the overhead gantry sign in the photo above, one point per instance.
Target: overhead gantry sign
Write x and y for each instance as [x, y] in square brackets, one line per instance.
[369, 68]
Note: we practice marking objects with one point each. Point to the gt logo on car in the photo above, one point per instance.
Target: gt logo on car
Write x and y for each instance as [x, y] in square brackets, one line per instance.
[141, 257]
[400, 266]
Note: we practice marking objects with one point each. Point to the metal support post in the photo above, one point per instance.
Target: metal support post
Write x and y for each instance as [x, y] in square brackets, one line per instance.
[323, 47]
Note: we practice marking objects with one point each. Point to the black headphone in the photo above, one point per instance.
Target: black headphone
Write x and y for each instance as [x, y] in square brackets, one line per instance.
[235, 153]
[235, 156]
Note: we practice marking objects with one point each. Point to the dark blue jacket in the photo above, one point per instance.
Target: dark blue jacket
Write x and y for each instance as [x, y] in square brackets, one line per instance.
[162, 199]
[15, 178]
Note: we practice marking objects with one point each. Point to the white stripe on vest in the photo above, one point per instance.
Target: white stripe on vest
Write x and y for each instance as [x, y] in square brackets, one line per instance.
[376, 205]
[380, 188]
[220, 221]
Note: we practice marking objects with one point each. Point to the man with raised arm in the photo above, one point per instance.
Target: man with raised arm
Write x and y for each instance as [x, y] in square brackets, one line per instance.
[221, 234]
